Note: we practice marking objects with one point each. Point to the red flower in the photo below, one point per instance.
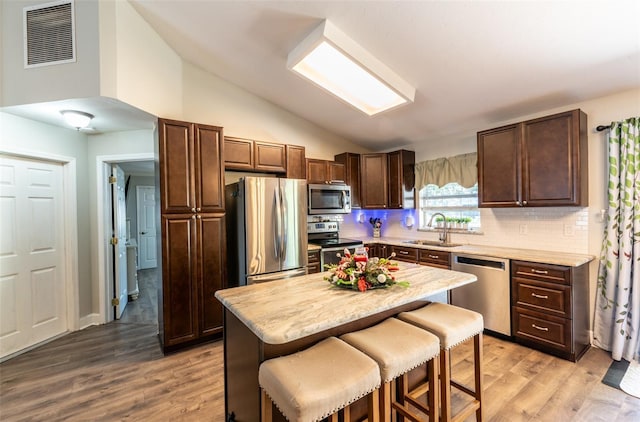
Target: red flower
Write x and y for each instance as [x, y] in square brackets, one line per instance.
[362, 284]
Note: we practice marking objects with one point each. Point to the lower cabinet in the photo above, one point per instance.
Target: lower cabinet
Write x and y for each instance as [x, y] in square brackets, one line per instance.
[405, 254]
[550, 308]
[193, 268]
[313, 265]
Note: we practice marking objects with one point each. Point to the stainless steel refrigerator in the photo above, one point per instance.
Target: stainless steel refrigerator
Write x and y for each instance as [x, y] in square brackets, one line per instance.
[266, 229]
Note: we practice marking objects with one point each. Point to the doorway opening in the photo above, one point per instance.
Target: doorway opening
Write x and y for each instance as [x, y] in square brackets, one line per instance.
[134, 285]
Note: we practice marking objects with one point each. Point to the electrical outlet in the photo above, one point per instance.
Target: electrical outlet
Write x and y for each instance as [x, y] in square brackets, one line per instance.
[524, 230]
[569, 230]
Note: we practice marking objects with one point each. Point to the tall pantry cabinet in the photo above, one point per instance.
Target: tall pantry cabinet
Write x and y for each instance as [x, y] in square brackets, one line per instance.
[191, 192]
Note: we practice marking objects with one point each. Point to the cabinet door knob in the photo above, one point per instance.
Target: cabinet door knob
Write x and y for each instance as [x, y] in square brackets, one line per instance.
[518, 203]
[524, 202]
[198, 209]
[193, 210]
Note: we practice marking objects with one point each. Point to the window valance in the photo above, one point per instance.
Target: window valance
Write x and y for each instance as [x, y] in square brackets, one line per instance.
[461, 169]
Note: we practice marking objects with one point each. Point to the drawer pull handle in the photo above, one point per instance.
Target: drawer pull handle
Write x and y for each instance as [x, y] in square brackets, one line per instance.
[539, 328]
[533, 270]
[434, 256]
[540, 296]
[404, 252]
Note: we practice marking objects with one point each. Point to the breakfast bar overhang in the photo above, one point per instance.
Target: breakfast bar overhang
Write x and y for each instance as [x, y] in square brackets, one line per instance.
[267, 320]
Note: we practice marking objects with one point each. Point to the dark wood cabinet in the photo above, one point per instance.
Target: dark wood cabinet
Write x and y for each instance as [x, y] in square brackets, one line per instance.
[324, 171]
[269, 157]
[405, 253]
[250, 155]
[351, 164]
[192, 232]
[539, 162]
[238, 154]
[550, 307]
[434, 258]
[313, 258]
[387, 180]
[296, 165]
[401, 190]
[374, 181]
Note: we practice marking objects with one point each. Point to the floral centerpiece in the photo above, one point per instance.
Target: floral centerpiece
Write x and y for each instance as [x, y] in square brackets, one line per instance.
[359, 272]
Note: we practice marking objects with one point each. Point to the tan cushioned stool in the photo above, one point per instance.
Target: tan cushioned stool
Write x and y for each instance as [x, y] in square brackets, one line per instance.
[317, 382]
[453, 325]
[397, 347]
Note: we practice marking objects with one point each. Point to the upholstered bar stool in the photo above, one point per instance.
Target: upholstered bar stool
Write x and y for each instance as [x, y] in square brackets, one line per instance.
[317, 382]
[399, 347]
[453, 325]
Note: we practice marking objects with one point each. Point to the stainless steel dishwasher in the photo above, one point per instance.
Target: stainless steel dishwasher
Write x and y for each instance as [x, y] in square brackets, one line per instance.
[490, 295]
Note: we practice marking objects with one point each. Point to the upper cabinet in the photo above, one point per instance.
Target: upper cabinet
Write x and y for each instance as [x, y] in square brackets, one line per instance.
[296, 165]
[249, 155]
[400, 165]
[324, 171]
[536, 163]
[374, 181]
[387, 180]
[192, 178]
[351, 163]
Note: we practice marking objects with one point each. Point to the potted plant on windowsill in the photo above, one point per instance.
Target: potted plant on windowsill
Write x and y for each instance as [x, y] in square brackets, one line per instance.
[465, 223]
[439, 222]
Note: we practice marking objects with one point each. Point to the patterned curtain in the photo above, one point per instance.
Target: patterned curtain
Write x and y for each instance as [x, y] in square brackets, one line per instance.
[617, 314]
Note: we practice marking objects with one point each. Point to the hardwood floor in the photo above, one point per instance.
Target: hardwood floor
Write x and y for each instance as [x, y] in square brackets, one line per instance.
[117, 372]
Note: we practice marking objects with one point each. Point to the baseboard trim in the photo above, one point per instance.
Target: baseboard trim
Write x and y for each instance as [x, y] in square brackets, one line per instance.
[88, 320]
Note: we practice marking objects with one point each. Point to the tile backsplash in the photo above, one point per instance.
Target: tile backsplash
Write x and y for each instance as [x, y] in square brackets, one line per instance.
[561, 229]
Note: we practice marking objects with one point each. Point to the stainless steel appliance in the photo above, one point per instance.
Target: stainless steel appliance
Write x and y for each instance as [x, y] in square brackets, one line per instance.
[325, 234]
[266, 229]
[490, 295]
[329, 199]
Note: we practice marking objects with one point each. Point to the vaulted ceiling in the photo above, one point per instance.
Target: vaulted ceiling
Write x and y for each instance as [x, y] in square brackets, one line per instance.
[474, 64]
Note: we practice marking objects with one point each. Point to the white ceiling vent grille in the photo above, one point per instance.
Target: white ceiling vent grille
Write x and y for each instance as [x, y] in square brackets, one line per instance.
[49, 34]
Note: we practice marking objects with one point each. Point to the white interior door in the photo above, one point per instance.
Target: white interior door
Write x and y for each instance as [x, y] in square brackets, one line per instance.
[146, 204]
[119, 240]
[33, 305]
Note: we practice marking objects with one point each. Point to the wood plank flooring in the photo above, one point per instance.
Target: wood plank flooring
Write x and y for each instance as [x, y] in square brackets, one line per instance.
[116, 372]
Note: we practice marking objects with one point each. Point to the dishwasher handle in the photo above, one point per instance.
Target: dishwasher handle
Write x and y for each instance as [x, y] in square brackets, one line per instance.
[480, 262]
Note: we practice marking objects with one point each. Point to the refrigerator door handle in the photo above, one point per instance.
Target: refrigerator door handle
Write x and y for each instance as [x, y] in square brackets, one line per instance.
[283, 241]
[278, 224]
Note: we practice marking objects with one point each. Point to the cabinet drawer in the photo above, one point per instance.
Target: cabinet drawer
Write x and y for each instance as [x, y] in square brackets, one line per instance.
[313, 268]
[438, 259]
[405, 254]
[544, 297]
[313, 257]
[545, 330]
[542, 272]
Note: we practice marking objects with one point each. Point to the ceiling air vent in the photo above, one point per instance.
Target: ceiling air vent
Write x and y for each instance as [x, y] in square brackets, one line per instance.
[49, 34]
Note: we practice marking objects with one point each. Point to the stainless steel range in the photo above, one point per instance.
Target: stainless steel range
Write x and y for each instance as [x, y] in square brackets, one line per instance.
[325, 234]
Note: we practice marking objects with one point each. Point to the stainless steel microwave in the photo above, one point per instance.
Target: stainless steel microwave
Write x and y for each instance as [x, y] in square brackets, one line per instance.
[329, 199]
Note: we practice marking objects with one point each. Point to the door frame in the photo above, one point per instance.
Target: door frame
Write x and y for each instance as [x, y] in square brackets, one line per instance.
[70, 231]
[103, 210]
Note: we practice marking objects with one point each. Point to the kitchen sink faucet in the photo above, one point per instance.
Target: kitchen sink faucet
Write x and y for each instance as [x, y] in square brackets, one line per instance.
[444, 235]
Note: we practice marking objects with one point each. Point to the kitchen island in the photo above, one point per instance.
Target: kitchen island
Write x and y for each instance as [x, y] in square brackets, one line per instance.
[263, 321]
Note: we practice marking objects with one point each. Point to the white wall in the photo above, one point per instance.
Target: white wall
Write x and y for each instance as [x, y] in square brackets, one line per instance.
[35, 139]
[209, 99]
[49, 83]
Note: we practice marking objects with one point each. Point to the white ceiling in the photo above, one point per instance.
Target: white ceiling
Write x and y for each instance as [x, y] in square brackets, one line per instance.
[474, 64]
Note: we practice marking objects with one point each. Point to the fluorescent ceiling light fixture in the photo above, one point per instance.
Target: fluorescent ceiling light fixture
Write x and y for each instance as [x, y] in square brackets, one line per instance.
[77, 119]
[333, 61]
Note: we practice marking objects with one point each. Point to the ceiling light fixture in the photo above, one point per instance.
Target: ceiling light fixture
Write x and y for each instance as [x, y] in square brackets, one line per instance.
[333, 61]
[77, 119]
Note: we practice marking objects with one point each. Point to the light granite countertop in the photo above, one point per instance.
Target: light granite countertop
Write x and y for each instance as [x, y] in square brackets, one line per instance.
[285, 310]
[531, 255]
[312, 247]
